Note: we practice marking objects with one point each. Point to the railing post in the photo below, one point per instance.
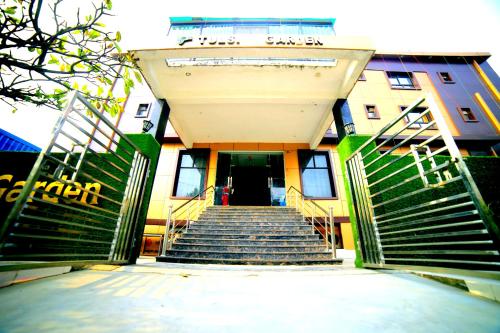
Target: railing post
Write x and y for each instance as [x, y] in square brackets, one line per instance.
[295, 197]
[205, 201]
[326, 231]
[333, 234]
[167, 231]
[303, 210]
[313, 218]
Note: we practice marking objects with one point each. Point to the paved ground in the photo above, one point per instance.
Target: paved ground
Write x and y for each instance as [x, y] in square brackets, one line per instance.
[150, 297]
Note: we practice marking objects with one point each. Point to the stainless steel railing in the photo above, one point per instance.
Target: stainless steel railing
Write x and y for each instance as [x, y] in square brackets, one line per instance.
[417, 206]
[315, 215]
[180, 219]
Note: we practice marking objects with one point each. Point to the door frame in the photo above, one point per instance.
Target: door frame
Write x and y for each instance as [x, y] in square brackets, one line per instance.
[255, 152]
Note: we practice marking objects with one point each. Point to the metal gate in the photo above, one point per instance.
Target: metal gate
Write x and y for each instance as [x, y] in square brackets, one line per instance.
[82, 199]
[416, 203]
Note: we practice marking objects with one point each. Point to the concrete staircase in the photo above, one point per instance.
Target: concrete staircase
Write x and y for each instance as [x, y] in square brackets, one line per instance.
[250, 235]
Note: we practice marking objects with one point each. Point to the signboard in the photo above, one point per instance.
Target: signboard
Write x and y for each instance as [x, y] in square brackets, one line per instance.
[237, 40]
[15, 169]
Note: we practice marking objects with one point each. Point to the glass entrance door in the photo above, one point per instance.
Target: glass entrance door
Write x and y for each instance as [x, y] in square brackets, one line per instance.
[276, 181]
[256, 179]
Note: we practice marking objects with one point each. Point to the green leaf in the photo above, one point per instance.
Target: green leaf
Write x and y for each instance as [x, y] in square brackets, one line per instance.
[118, 36]
[109, 4]
[126, 89]
[138, 76]
[53, 60]
[100, 90]
[14, 110]
[10, 10]
[94, 34]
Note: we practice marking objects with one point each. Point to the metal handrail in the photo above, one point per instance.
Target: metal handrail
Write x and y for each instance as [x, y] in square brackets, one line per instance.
[192, 198]
[191, 210]
[311, 210]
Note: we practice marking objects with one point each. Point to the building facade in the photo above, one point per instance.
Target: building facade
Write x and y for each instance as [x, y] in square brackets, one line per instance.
[261, 105]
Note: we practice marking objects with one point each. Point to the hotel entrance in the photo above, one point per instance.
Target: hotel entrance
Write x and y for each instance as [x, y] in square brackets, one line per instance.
[255, 179]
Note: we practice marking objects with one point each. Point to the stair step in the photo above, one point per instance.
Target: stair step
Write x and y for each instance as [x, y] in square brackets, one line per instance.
[249, 236]
[243, 248]
[220, 261]
[250, 217]
[249, 228]
[238, 224]
[249, 255]
[247, 242]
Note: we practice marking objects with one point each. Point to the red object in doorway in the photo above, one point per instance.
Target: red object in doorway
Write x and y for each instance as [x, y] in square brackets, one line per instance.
[225, 196]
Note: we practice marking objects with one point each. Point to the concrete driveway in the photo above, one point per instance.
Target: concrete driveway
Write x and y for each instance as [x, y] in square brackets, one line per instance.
[151, 297]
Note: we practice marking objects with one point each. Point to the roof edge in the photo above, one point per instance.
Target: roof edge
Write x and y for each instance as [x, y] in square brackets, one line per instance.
[432, 54]
[194, 19]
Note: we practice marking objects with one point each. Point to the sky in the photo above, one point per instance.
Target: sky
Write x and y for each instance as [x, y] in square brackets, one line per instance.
[393, 25]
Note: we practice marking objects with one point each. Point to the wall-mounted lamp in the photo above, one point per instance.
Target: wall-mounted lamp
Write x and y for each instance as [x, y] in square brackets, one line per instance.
[146, 126]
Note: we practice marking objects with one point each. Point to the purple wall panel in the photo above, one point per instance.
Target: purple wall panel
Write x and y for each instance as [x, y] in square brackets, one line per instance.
[460, 93]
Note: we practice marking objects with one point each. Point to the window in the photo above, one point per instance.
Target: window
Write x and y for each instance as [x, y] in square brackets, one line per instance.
[480, 152]
[414, 114]
[143, 110]
[191, 172]
[467, 114]
[316, 174]
[372, 112]
[184, 30]
[445, 77]
[251, 29]
[401, 80]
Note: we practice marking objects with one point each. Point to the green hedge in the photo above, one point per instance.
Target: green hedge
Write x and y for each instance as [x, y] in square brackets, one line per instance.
[346, 147]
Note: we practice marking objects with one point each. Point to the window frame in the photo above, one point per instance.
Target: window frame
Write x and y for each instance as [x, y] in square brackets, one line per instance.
[362, 77]
[180, 153]
[377, 114]
[440, 75]
[460, 108]
[148, 110]
[413, 79]
[408, 120]
[331, 173]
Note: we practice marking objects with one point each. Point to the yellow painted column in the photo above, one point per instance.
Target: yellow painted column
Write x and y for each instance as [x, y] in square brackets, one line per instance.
[486, 80]
[488, 112]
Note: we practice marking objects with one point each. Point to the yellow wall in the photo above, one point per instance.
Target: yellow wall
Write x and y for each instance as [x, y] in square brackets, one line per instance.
[377, 90]
[347, 238]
